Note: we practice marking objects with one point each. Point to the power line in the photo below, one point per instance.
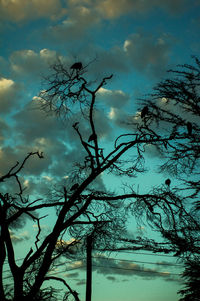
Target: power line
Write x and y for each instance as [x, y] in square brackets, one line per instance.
[116, 259]
[55, 265]
[110, 267]
[126, 252]
[140, 253]
[108, 258]
[10, 276]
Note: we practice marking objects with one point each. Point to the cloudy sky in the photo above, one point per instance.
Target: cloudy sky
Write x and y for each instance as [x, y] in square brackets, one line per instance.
[136, 41]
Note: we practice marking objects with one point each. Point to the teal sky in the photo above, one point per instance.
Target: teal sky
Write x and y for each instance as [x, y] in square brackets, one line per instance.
[136, 41]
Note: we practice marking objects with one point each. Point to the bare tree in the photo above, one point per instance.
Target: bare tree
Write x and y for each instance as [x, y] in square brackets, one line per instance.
[191, 275]
[173, 112]
[82, 209]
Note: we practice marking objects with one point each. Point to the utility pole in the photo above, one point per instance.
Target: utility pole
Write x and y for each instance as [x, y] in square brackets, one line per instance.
[89, 269]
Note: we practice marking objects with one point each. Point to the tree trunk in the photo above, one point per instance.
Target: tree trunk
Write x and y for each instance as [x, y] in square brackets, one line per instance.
[2, 258]
[18, 286]
[89, 269]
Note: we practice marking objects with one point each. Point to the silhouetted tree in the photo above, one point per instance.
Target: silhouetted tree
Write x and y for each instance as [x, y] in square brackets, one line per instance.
[174, 115]
[191, 275]
[82, 209]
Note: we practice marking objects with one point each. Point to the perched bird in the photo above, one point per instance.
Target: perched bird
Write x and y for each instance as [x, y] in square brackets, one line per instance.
[74, 187]
[144, 111]
[168, 182]
[92, 137]
[77, 66]
[189, 128]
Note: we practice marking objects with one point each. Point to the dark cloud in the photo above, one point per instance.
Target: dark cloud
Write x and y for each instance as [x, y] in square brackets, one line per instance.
[83, 17]
[112, 268]
[88, 12]
[81, 282]
[112, 9]
[75, 27]
[112, 278]
[4, 132]
[108, 266]
[148, 54]
[28, 63]
[107, 62]
[19, 11]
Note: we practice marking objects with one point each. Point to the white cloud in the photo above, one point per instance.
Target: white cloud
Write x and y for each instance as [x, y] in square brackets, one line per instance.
[30, 63]
[120, 117]
[49, 179]
[6, 84]
[112, 113]
[19, 237]
[9, 93]
[113, 98]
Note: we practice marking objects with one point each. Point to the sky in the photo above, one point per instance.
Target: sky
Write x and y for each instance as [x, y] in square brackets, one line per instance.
[135, 40]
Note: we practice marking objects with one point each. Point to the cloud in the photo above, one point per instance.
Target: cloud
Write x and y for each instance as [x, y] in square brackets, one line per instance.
[23, 10]
[80, 18]
[112, 278]
[153, 151]
[81, 282]
[80, 264]
[107, 62]
[113, 98]
[120, 117]
[32, 64]
[72, 275]
[113, 9]
[9, 94]
[33, 123]
[88, 12]
[4, 132]
[83, 16]
[107, 266]
[147, 53]
[19, 237]
[111, 268]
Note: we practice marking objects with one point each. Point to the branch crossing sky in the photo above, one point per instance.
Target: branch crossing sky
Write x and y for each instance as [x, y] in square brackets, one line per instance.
[136, 41]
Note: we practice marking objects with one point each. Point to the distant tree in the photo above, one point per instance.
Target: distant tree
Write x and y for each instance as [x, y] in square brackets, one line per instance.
[191, 275]
[84, 210]
[173, 208]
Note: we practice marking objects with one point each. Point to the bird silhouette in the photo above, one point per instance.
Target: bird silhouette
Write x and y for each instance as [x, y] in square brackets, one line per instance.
[189, 128]
[144, 111]
[168, 182]
[92, 137]
[74, 187]
[77, 66]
